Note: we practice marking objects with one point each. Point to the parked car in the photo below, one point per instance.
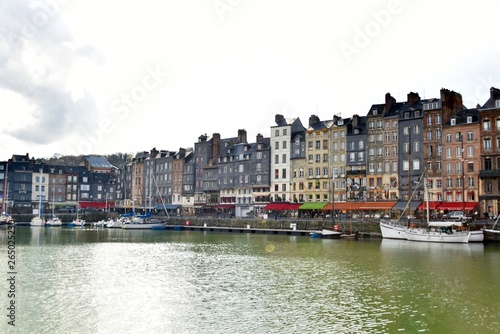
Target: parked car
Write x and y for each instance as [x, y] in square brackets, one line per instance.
[457, 215]
[67, 209]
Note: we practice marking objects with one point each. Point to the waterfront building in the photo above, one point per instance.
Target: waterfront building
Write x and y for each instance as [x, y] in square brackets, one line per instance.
[319, 176]
[260, 176]
[356, 158]
[460, 161]
[188, 177]
[298, 164]
[281, 139]
[489, 120]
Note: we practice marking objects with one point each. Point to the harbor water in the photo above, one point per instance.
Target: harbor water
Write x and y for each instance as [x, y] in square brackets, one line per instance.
[83, 280]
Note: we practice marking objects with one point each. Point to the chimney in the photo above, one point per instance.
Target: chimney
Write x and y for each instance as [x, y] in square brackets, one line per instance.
[412, 98]
[451, 102]
[216, 144]
[259, 138]
[202, 138]
[313, 120]
[389, 101]
[280, 120]
[355, 120]
[495, 93]
[242, 136]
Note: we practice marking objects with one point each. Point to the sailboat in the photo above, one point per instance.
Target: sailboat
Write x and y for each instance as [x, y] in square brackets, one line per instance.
[438, 231]
[54, 220]
[349, 235]
[77, 222]
[393, 228]
[39, 220]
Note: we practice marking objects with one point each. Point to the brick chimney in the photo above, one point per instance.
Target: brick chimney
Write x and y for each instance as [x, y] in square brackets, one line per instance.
[451, 102]
[259, 138]
[412, 98]
[216, 145]
[389, 101]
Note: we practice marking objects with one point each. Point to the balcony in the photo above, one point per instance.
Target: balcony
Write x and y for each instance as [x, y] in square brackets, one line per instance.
[484, 173]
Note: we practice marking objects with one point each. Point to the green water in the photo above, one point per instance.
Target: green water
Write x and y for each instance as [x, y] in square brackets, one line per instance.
[126, 281]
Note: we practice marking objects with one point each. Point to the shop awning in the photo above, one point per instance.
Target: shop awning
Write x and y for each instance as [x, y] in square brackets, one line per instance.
[276, 206]
[313, 206]
[433, 205]
[377, 205]
[401, 205]
[457, 206]
[343, 206]
[225, 206]
[293, 206]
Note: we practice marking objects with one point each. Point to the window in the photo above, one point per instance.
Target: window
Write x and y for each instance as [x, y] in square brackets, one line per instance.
[458, 168]
[470, 136]
[470, 182]
[310, 145]
[458, 152]
[448, 168]
[276, 159]
[470, 151]
[406, 130]
[448, 152]
[276, 133]
[405, 165]
[394, 136]
[284, 143]
[276, 173]
[277, 145]
[283, 157]
[429, 135]
[448, 138]
[283, 172]
[285, 132]
[487, 164]
[318, 144]
[487, 144]
[453, 121]
[486, 125]
[429, 120]
[439, 133]
[470, 167]
[438, 119]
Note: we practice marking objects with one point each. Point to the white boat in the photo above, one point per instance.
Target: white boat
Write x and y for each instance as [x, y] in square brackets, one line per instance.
[438, 231]
[392, 229]
[330, 234]
[37, 221]
[476, 236]
[142, 222]
[5, 219]
[54, 221]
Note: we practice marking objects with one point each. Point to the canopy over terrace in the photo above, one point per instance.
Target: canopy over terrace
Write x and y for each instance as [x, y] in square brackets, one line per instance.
[343, 206]
[457, 206]
[377, 206]
[433, 205]
[282, 206]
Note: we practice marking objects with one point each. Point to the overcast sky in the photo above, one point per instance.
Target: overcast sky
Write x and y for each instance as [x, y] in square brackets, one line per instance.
[101, 77]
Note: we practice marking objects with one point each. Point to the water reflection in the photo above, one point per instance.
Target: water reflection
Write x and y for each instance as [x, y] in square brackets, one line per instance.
[113, 280]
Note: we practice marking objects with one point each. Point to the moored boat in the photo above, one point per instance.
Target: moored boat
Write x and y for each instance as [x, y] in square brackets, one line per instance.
[392, 229]
[438, 231]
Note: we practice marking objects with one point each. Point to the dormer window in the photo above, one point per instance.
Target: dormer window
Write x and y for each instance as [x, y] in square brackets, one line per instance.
[497, 103]
[375, 112]
[356, 131]
[453, 121]
[340, 122]
[469, 119]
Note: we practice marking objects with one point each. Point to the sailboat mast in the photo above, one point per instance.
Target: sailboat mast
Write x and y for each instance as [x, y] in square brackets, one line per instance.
[409, 174]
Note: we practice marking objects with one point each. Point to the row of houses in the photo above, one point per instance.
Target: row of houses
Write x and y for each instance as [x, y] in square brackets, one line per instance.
[435, 150]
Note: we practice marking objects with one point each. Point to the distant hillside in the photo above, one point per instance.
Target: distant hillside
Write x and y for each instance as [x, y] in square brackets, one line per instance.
[117, 159]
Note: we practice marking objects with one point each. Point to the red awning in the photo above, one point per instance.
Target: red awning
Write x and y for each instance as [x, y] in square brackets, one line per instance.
[433, 205]
[377, 205]
[343, 206]
[276, 206]
[225, 206]
[457, 206]
[292, 206]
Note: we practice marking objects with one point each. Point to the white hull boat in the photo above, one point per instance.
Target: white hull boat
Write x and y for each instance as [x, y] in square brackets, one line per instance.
[54, 221]
[392, 230]
[438, 232]
[37, 221]
[141, 224]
